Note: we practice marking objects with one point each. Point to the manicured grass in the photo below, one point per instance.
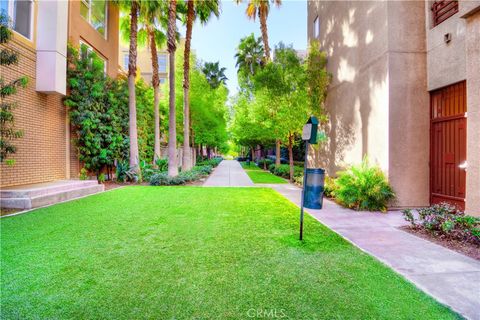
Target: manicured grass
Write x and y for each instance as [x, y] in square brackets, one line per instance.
[251, 166]
[192, 252]
[258, 176]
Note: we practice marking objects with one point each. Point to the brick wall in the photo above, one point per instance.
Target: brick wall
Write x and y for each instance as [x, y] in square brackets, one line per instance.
[41, 153]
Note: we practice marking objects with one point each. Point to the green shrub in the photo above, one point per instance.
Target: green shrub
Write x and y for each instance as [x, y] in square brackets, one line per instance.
[147, 170]
[196, 173]
[162, 164]
[271, 167]
[363, 187]
[298, 180]
[205, 170]
[283, 171]
[329, 188]
[163, 179]
[266, 162]
[101, 178]
[445, 220]
[209, 162]
[125, 173]
[83, 174]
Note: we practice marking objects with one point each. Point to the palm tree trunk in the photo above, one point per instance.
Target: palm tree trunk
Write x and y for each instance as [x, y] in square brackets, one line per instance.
[132, 72]
[156, 96]
[194, 155]
[277, 152]
[172, 121]
[187, 155]
[263, 28]
[290, 155]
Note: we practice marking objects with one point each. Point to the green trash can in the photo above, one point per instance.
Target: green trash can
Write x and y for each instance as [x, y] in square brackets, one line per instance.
[314, 186]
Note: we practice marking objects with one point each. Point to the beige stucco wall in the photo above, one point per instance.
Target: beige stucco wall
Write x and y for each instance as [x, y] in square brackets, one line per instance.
[473, 111]
[357, 99]
[409, 112]
[445, 61]
[376, 54]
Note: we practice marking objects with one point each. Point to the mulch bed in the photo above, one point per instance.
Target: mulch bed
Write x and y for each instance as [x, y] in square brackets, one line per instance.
[469, 249]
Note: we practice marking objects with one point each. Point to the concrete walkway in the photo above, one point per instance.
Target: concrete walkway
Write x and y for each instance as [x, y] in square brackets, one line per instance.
[229, 173]
[449, 277]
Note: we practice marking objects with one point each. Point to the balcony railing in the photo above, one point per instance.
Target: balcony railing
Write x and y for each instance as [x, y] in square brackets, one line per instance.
[443, 9]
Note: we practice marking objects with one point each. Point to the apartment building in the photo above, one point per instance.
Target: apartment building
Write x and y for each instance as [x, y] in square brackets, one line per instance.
[406, 92]
[41, 30]
[144, 62]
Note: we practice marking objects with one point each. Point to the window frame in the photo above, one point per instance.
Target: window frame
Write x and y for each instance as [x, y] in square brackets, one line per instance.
[90, 49]
[88, 4]
[11, 14]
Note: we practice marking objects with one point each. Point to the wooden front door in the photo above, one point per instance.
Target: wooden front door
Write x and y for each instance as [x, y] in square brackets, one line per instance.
[448, 144]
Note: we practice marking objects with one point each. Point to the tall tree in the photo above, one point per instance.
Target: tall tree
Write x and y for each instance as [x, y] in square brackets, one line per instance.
[172, 121]
[215, 75]
[261, 8]
[151, 25]
[249, 55]
[132, 73]
[153, 15]
[202, 9]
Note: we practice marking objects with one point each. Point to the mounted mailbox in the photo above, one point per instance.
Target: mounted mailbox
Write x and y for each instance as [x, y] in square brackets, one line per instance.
[310, 129]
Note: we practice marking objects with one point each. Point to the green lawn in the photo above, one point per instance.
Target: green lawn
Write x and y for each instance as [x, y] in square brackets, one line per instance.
[260, 176]
[251, 166]
[192, 252]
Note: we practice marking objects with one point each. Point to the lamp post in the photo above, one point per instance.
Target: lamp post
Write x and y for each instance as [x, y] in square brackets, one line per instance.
[309, 135]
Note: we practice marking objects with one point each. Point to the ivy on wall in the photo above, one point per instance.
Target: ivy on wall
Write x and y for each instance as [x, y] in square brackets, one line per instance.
[98, 110]
[8, 132]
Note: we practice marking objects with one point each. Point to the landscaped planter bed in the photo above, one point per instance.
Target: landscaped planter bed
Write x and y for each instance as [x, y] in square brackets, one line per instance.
[469, 249]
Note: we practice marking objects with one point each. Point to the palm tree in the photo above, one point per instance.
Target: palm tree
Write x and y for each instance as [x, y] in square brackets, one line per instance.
[250, 55]
[132, 72]
[261, 8]
[151, 22]
[172, 130]
[203, 9]
[153, 16]
[214, 74]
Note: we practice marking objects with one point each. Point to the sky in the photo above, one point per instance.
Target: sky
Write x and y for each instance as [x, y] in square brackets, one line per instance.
[219, 38]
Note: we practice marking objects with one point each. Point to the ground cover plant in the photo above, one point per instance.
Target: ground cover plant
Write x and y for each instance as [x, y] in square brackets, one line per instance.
[446, 221]
[192, 252]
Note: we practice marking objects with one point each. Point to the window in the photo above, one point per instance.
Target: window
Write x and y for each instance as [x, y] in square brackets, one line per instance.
[316, 27]
[163, 80]
[162, 63]
[95, 12]
[21, 14]
[125, 61]
[443, 9]
[86, 50]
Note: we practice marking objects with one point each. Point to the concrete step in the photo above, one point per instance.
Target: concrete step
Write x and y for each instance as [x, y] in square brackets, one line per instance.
[33, 190]
[54, 196]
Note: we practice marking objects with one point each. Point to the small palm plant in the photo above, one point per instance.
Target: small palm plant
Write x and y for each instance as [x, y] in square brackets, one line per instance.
[363, 187]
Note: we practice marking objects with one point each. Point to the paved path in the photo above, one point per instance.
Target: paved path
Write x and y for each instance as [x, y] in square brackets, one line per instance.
[449, 277]
[229, 173]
